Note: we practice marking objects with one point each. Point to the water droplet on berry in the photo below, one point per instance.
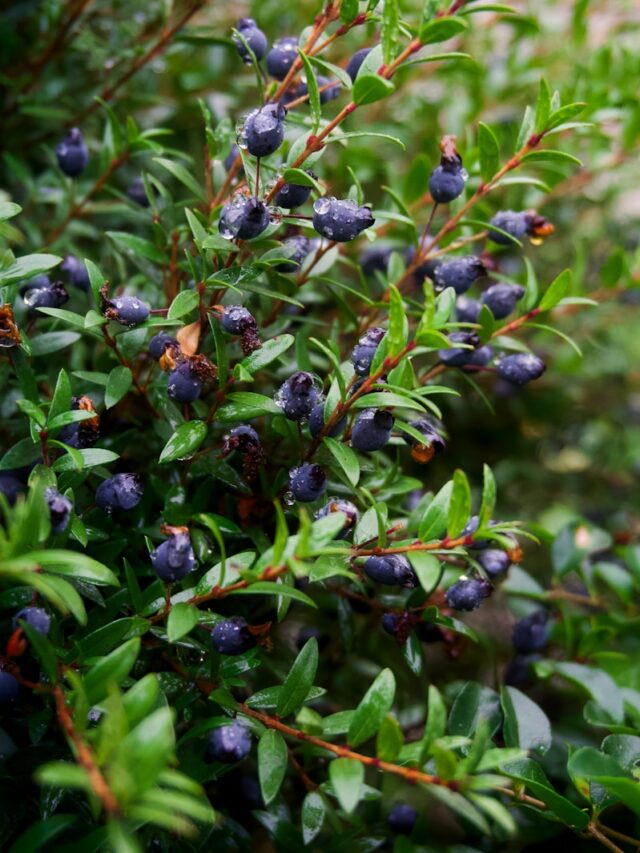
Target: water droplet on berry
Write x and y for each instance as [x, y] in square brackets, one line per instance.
[289, 499]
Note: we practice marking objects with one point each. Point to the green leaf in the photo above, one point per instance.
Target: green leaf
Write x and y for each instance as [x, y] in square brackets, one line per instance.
[369, 88]
[488, 151]
[556, 291]
[181, 174]
[52, 342]
[389, 740]
[302, 179]
[434, 523]
[272, 764]
[182, 618]
[299, 680]
[460, 505]
[245, 405]
[312, 86]
[27, 267]
[137, 246]
[347, 780]
[428, 569]
[375, 705]
[346, 459]
[626, 790]
[313, 814]
[44, 650]
[185, 440]
[472, 704]
[118, 383]
[488, 497]
[396, 334]
[111, 670]
[441, 29]
[61, 401]
[355, 134]
[597, 683]
[91, 457]
[532, 776]
[268, 352]
[8, 210]
[543, 106]
[525, 723]
[275, 588]
[61, 774]
[436, 719]
[184, 303]
[390, 30]
[73, 564]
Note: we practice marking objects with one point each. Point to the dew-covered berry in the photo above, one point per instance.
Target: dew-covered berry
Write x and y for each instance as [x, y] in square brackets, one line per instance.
[174, 559]
[467, 309]
[264, 130]
[36, 617]
[468, 593]
[402, 818]
[353, 66]
[72, 153]
[158, 343]
[447, 180]
[297, 248]
[495, 562]
[236, 320]
[242, 438]
[479, 357]
[531, 634]
[307, 482]
[501, 299]
[340, 219]
[458, 273]
[127, 310]
[298, 395]
[371, 429]
[183, 384]
[50, 295]
[459, 356]
[520, 368]
[243, 218]
[59, 510]
[514, 223]
[229, 743]
[137, 192]
[76, 271]
[364, 351]
[341, 505]
[391, 569]
[317, 422]
[232, 636]
[282, 56]
[9, 687]
[291, 196]
[254, 37]
[120, 492]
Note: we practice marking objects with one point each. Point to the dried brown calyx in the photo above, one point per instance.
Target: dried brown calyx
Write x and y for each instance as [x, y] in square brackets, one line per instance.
[9, 334]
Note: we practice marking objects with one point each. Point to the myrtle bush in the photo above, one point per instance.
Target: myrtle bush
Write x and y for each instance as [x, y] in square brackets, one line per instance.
[284, 299]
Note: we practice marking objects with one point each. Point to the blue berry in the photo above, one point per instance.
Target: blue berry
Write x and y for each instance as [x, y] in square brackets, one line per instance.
[458, 273]
[72, 154]
[282, 56]
[293, 195]
[243, 218]
[316, 422]
[331, 92]
[468, 594]
[137, 192]
[494, 561]
[10, 487]
[232, 636]
[9, 687]
[467, 309]
[183, 385]
[254, 37]
[402, 818]
[521, 368]
[297, 247]
[515, 223]
[120, 492]
[127, 310]
[158, 343]
[353, 66]
[173, 559]
[364, 351]
[59, 510]
[501, 299]
[341, 505]
[458, 356]
[36, 617]
[375, 259]
[264, 130]
[531, 634]
[242, 438]
[447, 180]
[392, 570]
[340, 219]
[229, 743]
[298, 395]
[52, 295]
[371, 429]
[433, 442]
[308, 482]
[77, 272]
[471, 527]
[236, 320]
[480, 357]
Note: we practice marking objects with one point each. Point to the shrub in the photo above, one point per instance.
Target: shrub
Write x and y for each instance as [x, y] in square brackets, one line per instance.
[256, 575]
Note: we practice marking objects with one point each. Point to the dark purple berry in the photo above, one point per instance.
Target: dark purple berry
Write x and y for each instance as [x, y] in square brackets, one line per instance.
[11, 487]
[515, 223]
[480, 357]
[353, 66]
[254, 37]
[392, 570]
[307, 482]
[495, 562]
[158, 343]
[467, 309]
[77, 272]
[375, 259]
[236, 320]
[459, 356]
[36, 617]
[232, 636]
[316, 422]
[264, 130]
[340, 219]
[298, 395]
[331, 92]
[120, 492]
[531, 634]
[9, 687]
[282, 56]
[501, 299]
[53, 295]
[458, 273]
[341, 505]
[426, 269]
[471, 527]
[128, 310]
[137, 192]
[72, 154]
[243, 218]
[297, 248]
[468, 593]
[364, 351]
[402, 818]
[291, 196]
[521, 368]
[183, 384]
[446, 184]
[371, 429]
[173, 559]
[59, 510]
[229, 743]
[243, 438]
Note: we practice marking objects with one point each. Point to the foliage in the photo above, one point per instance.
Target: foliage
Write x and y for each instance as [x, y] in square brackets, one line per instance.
[105, 747]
